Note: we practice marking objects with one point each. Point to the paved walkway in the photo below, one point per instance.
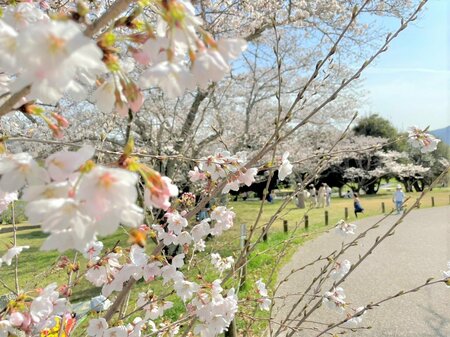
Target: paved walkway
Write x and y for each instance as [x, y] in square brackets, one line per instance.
[419, 249]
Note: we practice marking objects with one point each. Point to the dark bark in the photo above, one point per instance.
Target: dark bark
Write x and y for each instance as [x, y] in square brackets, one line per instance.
[186, 129]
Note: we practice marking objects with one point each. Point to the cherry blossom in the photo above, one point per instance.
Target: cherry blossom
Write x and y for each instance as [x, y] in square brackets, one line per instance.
[97, 327]
[6, 199]
[340, 269]
[345, 228]
[176, 223]
[195, 175]
[215, 314]
[173, 78]
[61, 165]
[285, 168]
[422, 140]
[153, 307]
[264, 302]
[335, 299]
[201, 230]
[118, 331]
[221, 264]
[23, 15]
[261, 288]
[11, 253]
[18, 169]
[357, 317]
[223, 218]
[47, 303]
[159, 190]
[92, 250]
[59, 50]
[185, 289]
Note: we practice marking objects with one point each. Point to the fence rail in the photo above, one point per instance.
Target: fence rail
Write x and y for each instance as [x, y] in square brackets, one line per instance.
[326, 218]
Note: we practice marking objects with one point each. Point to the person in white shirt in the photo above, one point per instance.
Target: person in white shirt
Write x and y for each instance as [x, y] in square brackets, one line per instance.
[398, 198]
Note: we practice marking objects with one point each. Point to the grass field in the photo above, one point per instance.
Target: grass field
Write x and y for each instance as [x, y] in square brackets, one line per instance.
[36, 268]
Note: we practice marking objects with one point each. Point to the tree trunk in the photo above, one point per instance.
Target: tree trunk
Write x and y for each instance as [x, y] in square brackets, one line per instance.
[186, 129]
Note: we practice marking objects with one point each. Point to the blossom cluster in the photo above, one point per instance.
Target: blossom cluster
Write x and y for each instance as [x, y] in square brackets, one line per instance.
[6, 199]
[344, 228]
[422, 140]
[213, 309]
[75, 200]
[54, 56]
[263, 301]
[32, 314]
[340, 269]
[221, 264]
[222, 165]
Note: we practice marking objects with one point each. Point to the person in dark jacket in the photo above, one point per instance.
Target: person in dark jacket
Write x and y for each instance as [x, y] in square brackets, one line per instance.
[357, 205]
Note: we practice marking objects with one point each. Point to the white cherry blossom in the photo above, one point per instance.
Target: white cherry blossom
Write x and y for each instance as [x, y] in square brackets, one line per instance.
[61, 165]
[97, 327]
[335, 299]
[285, 168]
[59, 50]
[173, 78]
[18, 169]
[11, 253]
[340, 269]
[344, 228]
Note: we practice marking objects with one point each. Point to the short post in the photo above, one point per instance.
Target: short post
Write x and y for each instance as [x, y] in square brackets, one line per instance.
[326, 218]
[346, 213]
[231, 332]
[306, 222]
[432, 201]
[418, 203]
[264, 234]
[285, 226]
[383, 207]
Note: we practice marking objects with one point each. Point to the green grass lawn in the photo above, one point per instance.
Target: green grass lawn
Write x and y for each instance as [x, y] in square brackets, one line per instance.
[36, 268]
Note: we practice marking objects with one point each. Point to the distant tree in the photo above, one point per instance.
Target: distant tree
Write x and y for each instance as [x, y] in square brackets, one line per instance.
[377, 126]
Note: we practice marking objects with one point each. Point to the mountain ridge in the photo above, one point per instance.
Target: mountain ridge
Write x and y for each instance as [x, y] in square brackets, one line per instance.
[443, 134]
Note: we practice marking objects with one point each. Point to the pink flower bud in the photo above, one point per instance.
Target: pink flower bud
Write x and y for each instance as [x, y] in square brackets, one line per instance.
[16, 318]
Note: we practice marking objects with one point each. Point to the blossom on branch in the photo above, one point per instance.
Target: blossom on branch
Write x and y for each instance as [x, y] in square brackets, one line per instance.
[420, 139]
[344, 228]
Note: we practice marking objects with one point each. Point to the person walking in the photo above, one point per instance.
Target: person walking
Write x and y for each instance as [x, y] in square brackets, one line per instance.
[357, 205]
[312, 196]
[327, 195]
[398, 198]
[321, 196]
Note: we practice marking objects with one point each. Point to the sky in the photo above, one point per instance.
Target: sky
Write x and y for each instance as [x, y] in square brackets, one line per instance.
[410, 83]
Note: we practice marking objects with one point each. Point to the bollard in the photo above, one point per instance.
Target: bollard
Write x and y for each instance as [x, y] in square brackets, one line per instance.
[306, 222]
[432, 201]
[326, 218]
[346, 213]
[383, 207]
[285, 226]
[418, 203]
[243, 266]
